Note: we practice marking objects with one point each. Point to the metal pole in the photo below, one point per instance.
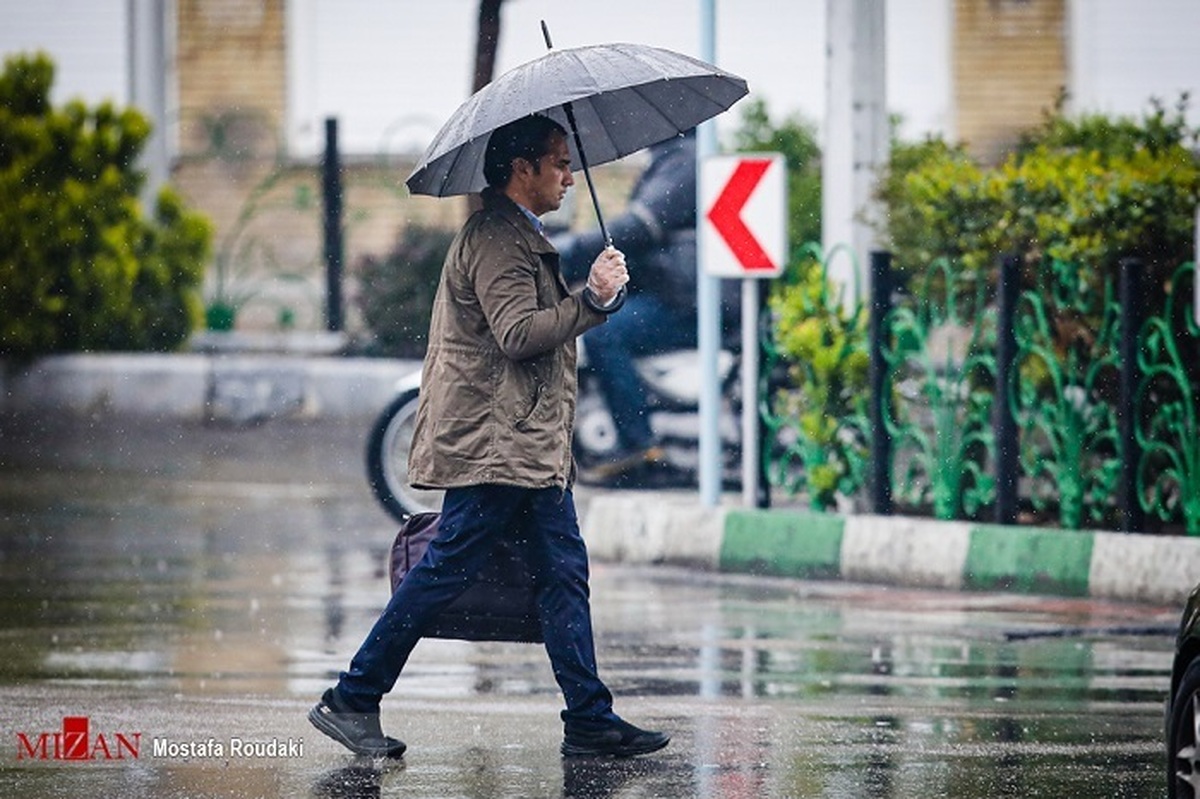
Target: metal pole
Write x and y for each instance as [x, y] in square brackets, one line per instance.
[331, 189]
[148, 57]
[569, 110]
[708, 302]
[750, 451]
[587, 173]
[765, 384]
[1132, 310]
[1007, 461]
[881, 441]
[856, 135]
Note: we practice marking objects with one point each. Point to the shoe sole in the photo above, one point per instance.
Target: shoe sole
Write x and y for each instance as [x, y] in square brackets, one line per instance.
[572, 750]
[622, 466]
[328, 728]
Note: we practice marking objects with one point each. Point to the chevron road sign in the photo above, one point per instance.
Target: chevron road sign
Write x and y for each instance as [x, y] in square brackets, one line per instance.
[743, 229]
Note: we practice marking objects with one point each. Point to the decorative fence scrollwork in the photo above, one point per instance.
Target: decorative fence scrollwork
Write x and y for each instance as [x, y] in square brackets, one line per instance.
[1066, 333]
[940, 368]
[1168, 430]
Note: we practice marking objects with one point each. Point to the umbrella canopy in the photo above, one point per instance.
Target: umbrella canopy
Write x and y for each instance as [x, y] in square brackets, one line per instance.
[623, 96]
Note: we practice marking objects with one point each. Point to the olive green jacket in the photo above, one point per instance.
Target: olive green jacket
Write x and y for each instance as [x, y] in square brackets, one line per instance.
[499, 383]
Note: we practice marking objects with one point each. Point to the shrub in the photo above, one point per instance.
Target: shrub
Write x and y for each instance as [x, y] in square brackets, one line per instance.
[825, 345]
[396, 291]
[1088, 190]
[938, 206]
[82, 269]
[819, 421]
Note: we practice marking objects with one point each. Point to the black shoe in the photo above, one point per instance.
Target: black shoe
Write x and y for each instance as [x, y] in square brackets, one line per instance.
[621, 739]
[358, 732]
[623, 463]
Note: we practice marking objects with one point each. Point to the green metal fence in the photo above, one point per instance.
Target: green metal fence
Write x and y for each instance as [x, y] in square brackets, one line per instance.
[1100, 391]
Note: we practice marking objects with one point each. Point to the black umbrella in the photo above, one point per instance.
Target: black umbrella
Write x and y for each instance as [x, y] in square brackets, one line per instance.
[614, 98]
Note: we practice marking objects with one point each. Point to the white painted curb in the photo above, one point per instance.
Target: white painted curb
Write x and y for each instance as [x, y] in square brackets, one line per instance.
[1143, 567]
[646, 527]
[904, 550]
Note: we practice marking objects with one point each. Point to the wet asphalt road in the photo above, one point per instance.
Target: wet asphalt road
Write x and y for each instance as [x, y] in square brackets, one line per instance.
[190, 590]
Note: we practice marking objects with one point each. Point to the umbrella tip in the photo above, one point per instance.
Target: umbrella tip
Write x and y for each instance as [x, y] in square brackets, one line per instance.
[546, 35]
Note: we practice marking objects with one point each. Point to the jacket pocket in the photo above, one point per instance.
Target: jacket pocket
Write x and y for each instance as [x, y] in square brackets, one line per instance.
[524, 392]
[529, 419]
[462, 439]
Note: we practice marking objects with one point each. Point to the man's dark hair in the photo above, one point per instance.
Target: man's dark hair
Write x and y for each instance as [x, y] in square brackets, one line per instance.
[527, 137]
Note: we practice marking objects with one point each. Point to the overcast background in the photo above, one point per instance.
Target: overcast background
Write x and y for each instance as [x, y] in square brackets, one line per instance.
[393, 70]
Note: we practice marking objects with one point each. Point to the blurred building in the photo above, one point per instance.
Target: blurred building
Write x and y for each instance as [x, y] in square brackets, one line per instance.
[240, 89]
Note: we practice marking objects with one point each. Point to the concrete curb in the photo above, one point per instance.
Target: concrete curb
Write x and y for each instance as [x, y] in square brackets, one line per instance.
[645, 528]
[236, 388]
[925, 553]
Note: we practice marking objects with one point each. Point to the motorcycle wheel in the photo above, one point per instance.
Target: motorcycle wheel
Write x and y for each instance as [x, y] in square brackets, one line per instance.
[387, 460]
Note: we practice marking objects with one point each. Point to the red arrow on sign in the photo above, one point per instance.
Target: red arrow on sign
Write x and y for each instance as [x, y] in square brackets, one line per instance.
[726, 214]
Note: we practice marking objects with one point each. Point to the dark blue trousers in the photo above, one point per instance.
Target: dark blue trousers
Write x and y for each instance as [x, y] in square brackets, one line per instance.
[543, 523]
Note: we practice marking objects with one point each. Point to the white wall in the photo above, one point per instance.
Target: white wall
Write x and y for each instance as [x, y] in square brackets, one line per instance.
[1122, 53]
[88, 40]
[389, 71]
[393, 71]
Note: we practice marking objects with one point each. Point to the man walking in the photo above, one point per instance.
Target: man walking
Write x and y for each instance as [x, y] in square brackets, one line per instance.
[494, 430]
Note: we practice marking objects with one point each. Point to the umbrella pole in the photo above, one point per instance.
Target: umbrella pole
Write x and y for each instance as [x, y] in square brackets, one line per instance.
[587, 173]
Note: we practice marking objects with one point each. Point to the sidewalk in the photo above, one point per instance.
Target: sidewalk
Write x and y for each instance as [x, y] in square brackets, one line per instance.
[637, 527]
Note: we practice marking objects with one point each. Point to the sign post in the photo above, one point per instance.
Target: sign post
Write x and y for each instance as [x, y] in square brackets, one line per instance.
[743, 234]
[708, 299]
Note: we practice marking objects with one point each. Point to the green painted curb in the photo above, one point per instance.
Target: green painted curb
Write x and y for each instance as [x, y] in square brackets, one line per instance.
[1028, 560]
[782, 544]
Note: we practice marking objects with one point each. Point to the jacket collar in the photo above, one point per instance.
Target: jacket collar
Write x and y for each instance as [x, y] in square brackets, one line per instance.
[500, 203]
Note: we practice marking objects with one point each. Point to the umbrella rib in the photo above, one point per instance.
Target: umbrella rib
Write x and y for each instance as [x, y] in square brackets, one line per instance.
[638, 91]
[651, 106]
[686, 85]
[451, 168]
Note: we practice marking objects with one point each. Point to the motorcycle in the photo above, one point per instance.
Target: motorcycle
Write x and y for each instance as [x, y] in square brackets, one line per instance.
[673, 383]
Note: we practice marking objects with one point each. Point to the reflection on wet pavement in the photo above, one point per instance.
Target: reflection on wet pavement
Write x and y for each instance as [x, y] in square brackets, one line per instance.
[198, 603]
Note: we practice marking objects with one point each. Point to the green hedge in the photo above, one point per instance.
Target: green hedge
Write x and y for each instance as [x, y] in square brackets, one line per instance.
[396, 291]
[1086, 190]
[81, 268]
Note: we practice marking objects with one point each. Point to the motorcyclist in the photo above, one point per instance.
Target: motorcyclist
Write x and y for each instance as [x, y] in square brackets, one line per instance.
[657, 233]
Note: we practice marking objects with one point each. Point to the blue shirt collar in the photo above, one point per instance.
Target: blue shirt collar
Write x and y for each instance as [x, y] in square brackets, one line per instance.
[537, 223]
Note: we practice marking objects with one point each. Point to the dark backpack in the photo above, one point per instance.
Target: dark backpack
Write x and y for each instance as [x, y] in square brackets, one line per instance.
[500, 606]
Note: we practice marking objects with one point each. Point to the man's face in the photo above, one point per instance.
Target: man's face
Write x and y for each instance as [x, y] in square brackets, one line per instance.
[549, 182]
